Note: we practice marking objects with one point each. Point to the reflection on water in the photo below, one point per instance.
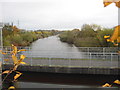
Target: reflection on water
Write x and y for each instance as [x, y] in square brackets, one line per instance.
[53, 47]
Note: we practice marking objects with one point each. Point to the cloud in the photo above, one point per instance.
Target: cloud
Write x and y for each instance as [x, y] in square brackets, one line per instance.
[58, 14]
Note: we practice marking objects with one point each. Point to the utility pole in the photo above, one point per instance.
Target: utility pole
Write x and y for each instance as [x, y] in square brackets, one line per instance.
[12, 23]
[18, 23]
[1, 42]
[1, 38]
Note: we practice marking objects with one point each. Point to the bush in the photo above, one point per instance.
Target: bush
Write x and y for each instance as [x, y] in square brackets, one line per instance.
[89, 36]
[16, 40]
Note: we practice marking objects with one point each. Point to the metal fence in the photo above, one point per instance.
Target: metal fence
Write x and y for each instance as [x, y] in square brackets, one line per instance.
[82, 49]
[91, 57]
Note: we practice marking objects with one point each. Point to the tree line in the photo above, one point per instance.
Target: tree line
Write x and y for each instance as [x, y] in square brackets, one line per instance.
[89, 36]
[20, 37]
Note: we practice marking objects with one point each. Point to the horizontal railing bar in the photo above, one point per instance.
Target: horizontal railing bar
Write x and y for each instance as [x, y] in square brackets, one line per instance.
[70, 47]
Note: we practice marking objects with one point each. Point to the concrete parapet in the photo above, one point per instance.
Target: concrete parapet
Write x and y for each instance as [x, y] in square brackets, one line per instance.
[73, 70]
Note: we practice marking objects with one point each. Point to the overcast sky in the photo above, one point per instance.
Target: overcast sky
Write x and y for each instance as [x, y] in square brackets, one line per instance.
[58, 14]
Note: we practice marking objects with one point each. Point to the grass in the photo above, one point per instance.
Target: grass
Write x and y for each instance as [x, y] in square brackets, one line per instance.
[69, 66]
[42, 58]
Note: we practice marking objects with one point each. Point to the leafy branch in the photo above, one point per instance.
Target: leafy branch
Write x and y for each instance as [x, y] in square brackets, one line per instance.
[16, 63]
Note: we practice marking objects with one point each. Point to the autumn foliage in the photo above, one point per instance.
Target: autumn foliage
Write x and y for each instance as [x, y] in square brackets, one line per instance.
[12, 74]
[108, 2]
[20, 37]
[115, 38]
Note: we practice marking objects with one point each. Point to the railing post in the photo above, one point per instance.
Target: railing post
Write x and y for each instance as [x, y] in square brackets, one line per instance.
[90, 61]
[103, 51]
[2, 58]
[88, 50]
[49, 61]
[30, 57]
[69, 62]
[31, 61]
[111, 59]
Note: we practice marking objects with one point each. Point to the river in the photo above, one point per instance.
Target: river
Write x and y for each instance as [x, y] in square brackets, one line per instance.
[54, 52]
[53, 47]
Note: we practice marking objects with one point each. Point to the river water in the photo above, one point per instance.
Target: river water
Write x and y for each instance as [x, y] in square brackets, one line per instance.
[60, 53]
[53, 47]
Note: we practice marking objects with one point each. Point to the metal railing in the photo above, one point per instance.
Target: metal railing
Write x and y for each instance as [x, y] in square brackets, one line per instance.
[103, 58]
[82, 49]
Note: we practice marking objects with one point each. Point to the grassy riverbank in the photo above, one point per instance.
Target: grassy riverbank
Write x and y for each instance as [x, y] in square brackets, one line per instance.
[20, 37]
[88, 36]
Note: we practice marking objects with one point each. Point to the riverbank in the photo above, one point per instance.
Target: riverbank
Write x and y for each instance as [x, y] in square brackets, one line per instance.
[19, 37]
[88, 36]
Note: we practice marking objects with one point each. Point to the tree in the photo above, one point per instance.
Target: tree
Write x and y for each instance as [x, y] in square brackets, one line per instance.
[108, 2]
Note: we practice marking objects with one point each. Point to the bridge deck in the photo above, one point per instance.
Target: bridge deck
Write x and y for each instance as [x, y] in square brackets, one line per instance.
[92, 59]
[101, 62]
[71, 70]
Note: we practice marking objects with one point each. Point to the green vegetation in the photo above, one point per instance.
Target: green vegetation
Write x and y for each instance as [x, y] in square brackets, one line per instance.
[88, 36]
[42, 58]
[18, 37]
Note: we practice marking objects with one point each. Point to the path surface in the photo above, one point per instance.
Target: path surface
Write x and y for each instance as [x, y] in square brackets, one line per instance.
[103, 63]
[72, 62]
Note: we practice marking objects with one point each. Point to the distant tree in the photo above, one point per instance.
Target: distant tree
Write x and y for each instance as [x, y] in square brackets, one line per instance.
[96, 27]
[86, 27]
[15, 29]
[89, 36]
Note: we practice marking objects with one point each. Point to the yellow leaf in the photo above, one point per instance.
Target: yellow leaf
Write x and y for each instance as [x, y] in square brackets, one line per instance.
[11, 88]
[108, 40]
[117, 82]
[118, 4]
[14, 59]
[15, 67]
[115, 44]
[111, 0]
[118, 39]
[7, 71]
[17, 72]
[14, 49]
[2, 52]
[106, 36]
[115, 36]
[22, 63]
[17, 75]
[118, 52]
[107, 3]
[115, 33]
[22, 50]
[106, 85]
[6, 59]
[22, 57]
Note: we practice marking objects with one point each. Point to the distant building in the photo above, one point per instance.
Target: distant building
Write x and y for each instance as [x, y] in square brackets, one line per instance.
[2, 24]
